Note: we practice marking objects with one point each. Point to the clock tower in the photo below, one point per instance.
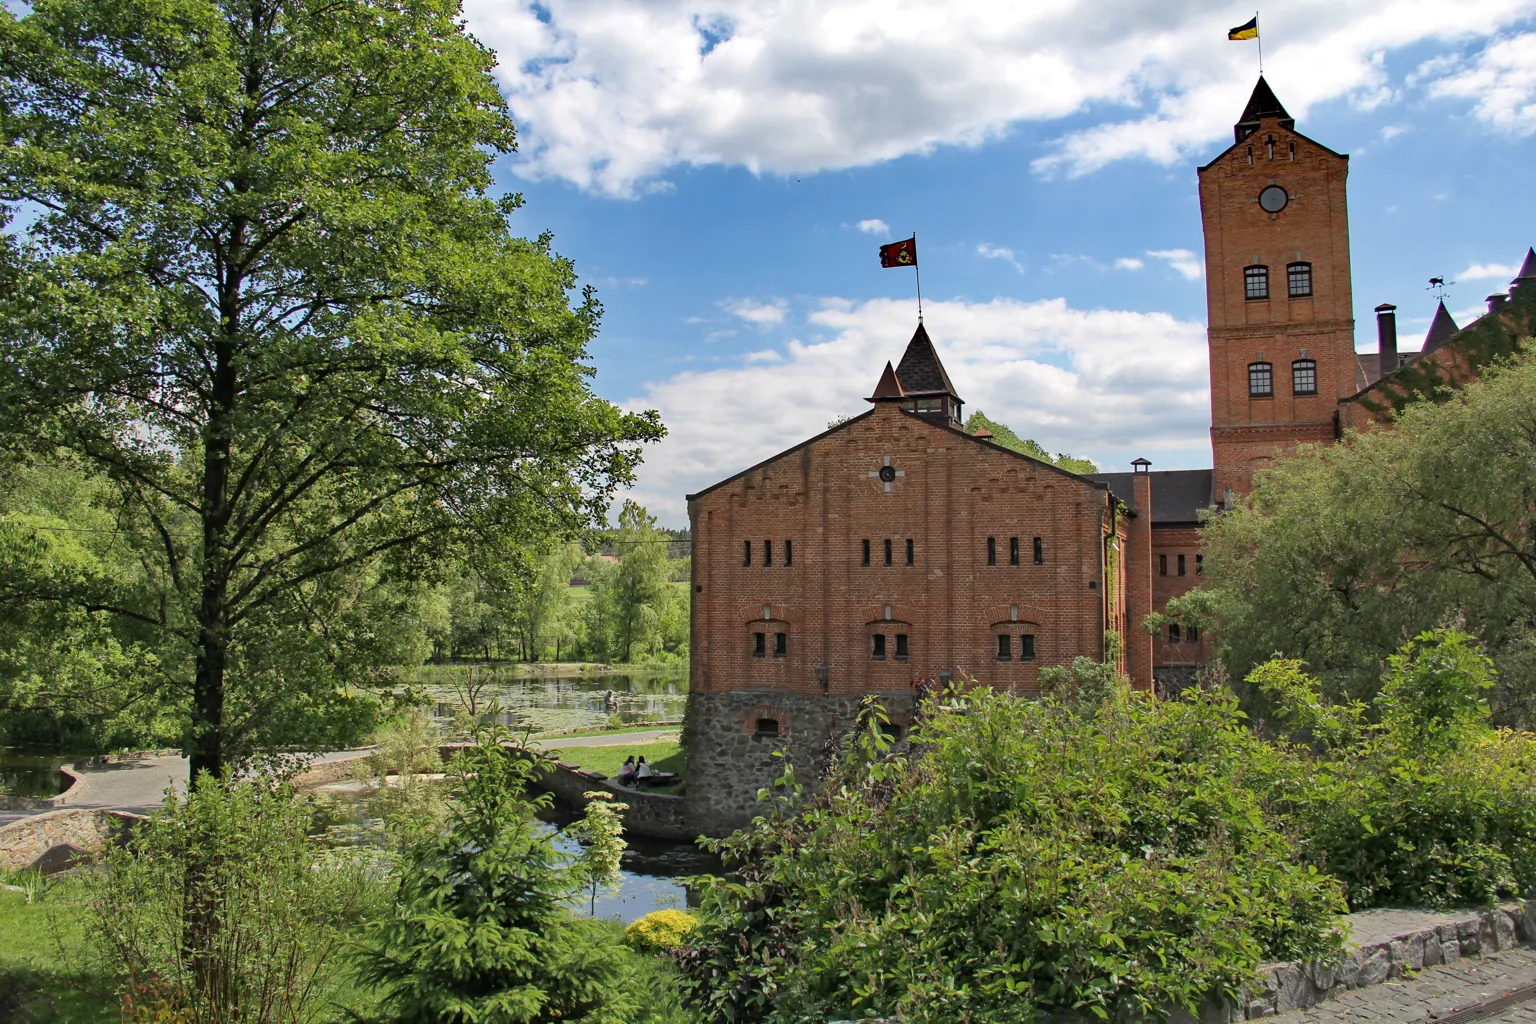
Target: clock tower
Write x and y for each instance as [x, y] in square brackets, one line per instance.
[1281, 324]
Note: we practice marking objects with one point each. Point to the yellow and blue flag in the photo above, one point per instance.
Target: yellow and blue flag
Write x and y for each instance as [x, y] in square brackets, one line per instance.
[1248, 30]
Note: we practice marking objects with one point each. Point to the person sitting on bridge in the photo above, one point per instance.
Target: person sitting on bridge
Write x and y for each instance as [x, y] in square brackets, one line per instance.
[627, 772]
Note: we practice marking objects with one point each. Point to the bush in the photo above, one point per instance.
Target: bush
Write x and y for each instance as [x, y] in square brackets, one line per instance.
[1036, 858]
[481, 931]
[219, 909]
[660, 931]
[1431, 806]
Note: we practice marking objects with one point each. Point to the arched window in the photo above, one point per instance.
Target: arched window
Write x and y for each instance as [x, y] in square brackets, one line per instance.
[1261, 380]
[767, 726]
[1304, 377]
[1298, 279]
[1256, 282]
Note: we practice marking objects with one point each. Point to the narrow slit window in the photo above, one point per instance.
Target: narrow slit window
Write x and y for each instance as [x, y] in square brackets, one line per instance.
[1026, 647]
[767, 552]
[1293, 150]
[1304, 377]
[877, 647]
[1255, 283]
[1199, 565]
[866, 552]
[991, 550]
[1192, 634]
[1004, 647]
[746, 552]
[780, 644]
[901, 647]
[1013, 551]
[887, 551]
[910, 553]
[1181, 565]
[1250, 156]
[1261, 380]
[789, 552]
[1162, 565]
[759, 644]
[1039, 551]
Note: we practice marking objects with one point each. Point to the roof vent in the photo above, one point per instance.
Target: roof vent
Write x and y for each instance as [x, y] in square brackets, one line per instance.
[1496, 302]
[1386, 339]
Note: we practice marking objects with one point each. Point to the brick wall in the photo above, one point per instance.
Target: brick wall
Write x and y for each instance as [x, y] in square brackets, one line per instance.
[1313, 227]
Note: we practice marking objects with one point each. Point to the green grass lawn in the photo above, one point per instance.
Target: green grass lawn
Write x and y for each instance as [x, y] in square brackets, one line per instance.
[664, 757]
[46, 970]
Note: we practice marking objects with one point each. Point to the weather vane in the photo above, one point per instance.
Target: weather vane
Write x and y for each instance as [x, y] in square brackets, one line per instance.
[1438, 286]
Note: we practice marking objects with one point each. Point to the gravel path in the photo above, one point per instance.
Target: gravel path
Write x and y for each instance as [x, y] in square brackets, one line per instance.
[136, 782]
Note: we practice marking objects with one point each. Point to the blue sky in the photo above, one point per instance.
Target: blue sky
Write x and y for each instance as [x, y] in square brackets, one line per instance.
[714, 170]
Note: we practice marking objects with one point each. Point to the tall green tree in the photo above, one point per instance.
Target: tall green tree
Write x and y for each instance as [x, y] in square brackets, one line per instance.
[267, 293]
[1346, 552]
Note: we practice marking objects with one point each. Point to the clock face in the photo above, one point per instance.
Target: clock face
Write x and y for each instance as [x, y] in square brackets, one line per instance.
[1273, 199]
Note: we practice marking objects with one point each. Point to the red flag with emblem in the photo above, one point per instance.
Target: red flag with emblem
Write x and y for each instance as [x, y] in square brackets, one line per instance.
[899, 254]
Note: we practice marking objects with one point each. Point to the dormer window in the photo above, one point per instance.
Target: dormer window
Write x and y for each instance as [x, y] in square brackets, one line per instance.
[1261, 380]
[1255, 282]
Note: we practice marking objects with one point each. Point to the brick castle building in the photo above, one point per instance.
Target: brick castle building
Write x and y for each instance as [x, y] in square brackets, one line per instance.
[896, 545]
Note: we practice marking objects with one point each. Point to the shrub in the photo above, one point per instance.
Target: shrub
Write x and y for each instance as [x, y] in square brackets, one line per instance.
[1036, 858]
[218, 909]
[481, 931]
[660, 931]
[1431, 806]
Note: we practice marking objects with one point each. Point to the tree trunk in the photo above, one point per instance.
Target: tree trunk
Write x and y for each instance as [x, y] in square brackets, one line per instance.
[208, 751]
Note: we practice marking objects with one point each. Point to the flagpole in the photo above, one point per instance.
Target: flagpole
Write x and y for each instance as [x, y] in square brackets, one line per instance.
[917, 267]
[1259, 35]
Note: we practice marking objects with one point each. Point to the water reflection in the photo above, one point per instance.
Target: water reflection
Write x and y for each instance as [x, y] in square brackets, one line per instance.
[33, 774]
[542, 702]
[651, 869]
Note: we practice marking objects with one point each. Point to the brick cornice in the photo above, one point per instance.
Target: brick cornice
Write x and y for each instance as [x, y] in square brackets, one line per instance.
[1238, 332]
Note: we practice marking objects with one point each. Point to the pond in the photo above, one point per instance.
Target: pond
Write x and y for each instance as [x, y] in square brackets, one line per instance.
[34, 774]
[549, 698]
[652, 870]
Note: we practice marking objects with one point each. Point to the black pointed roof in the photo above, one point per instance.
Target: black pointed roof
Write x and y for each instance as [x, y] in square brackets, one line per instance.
[889, 388]
[1263, 103]
[1440, 329]
[920, 371]
[1528, 268]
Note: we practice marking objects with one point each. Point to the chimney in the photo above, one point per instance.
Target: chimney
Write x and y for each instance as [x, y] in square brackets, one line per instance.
[1386, 338]
[1496, 302]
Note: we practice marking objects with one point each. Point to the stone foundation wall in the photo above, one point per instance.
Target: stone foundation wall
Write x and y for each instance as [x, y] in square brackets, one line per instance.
[729, 759]
[658, 815]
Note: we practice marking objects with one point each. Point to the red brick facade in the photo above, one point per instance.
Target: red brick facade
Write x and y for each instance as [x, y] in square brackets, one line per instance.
[781, 549]
[1277, 292]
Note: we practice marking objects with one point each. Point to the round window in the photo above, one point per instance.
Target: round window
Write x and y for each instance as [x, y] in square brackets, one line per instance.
[1273, 199]
[887, 474]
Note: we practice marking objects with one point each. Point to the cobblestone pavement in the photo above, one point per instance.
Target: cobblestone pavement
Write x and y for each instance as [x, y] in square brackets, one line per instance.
[1434, 991]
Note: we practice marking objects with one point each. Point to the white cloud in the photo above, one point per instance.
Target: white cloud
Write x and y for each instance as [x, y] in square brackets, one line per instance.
[609, 94]
[1392, 131]
[763, 314]
[1128, 263]
[1486, 271]
[997, 252]
[1182, 260]
[874, 226]
[1501, 80]
[1108, 384]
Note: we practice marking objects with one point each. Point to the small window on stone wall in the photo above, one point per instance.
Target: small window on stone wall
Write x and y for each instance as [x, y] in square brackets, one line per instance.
[767, 726]
[877, 646]
[1026, 647]
[780, 644]
[901, 647]
[1004, 647]
[759, 644]
[891, 731]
